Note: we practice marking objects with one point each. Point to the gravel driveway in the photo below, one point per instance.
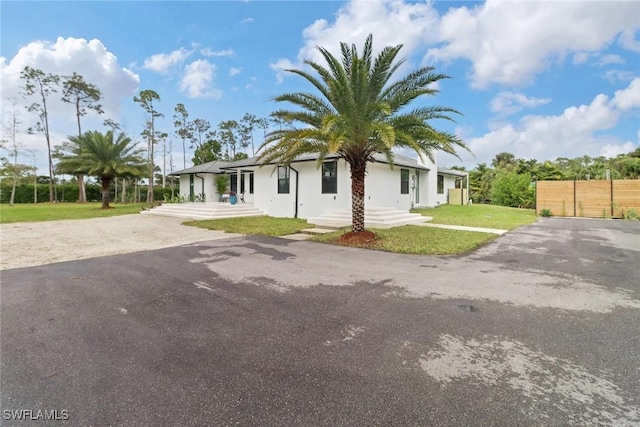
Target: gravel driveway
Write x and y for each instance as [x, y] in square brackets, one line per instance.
[28, 244]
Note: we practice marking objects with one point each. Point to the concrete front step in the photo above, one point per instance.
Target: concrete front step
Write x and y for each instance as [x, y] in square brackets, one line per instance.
[374, 218]
[188, 215]
[204, 210]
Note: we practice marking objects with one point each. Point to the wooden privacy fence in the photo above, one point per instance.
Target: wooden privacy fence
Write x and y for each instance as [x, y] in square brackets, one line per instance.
[458, 196]
[589, 199]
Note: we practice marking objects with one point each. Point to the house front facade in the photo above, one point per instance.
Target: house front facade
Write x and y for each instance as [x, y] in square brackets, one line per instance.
[306, 189]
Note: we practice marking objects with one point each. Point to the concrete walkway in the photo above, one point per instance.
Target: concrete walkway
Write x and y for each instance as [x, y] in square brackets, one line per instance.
[464, 228]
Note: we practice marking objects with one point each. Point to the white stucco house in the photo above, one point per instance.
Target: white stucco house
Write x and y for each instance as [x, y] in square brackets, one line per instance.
[305, 189]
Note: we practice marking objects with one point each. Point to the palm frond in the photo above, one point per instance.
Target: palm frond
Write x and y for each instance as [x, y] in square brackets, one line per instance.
[360, 110]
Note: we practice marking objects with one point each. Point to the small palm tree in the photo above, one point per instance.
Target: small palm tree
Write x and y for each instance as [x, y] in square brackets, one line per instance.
[100, 156]
[358, 112]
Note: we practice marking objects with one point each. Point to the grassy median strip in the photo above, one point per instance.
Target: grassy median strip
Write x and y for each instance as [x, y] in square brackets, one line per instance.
[412, 239]
[56, 211]
[486, 216]
[258, 225]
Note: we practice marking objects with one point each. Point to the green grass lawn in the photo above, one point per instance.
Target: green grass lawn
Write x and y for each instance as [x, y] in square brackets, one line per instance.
[412, 239]
[24, 212]
[260, 225]
[408, 239]
[487, 216]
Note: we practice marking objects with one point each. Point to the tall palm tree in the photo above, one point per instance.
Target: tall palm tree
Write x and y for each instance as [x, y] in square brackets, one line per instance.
[99, 155]
[358, 112]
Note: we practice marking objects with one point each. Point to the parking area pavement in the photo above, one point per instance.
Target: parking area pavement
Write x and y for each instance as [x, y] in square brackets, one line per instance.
[539, 327]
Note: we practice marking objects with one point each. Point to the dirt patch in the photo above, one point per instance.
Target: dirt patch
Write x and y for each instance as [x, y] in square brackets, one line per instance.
[27, 244]
[363, 238]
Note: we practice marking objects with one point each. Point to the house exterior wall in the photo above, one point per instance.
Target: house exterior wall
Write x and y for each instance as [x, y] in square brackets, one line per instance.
[449, 182]
[382, 189]
[430, 180]
[266, 195]
[184, 185]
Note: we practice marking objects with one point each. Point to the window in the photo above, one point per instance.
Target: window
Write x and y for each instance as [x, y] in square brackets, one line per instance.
[440, 184]
[283, 180]
[404, 181]
[234, 182]
[330, 178]
[241, 183]
[251, 183]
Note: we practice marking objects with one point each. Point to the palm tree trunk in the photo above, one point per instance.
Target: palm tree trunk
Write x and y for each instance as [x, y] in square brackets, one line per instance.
[106, 183]
[82, 192]
[124, 191]
[358, 172]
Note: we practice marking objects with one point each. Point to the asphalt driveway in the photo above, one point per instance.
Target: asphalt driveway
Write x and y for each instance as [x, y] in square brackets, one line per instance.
[540, 327]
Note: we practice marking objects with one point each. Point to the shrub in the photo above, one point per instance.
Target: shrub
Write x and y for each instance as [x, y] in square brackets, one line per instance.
[546, 213]
[512, 189]
[631, 214]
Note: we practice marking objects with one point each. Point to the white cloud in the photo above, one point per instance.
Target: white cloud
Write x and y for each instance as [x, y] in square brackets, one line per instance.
[510, 42]
[599, 58]
[609, 59]
[581, 57]
[629, 97]
[162, 62]
[509, 102]
[197, 81]
[615, 76]
[506, 42]
[612, 150]
[577, 130]
[280, 66]
[91, 59]
[252, 83]
[391, 22]
[225, 52]
[234, 71]
[248, 20]
[627, 39]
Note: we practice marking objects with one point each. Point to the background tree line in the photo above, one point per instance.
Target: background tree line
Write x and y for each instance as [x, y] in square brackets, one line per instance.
[508, 181]
[231, 140]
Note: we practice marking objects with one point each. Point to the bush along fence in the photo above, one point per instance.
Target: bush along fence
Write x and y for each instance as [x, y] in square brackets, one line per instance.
[69, 193]
[589, 199]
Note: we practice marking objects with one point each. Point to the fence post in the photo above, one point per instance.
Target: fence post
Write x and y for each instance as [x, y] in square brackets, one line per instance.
[611, 181]
[574, 198]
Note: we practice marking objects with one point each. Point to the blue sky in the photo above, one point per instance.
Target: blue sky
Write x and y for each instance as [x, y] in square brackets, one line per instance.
[539, 79]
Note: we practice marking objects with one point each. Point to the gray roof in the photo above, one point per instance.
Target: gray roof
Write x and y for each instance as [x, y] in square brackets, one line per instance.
[209, 167]
[452, 172]
[221, 167]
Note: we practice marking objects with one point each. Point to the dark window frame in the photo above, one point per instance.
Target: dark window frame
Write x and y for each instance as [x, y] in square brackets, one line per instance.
[250, 182]
[233, 182]
[440, 186]
[284, 182]
[330, 180]
[404, 181]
